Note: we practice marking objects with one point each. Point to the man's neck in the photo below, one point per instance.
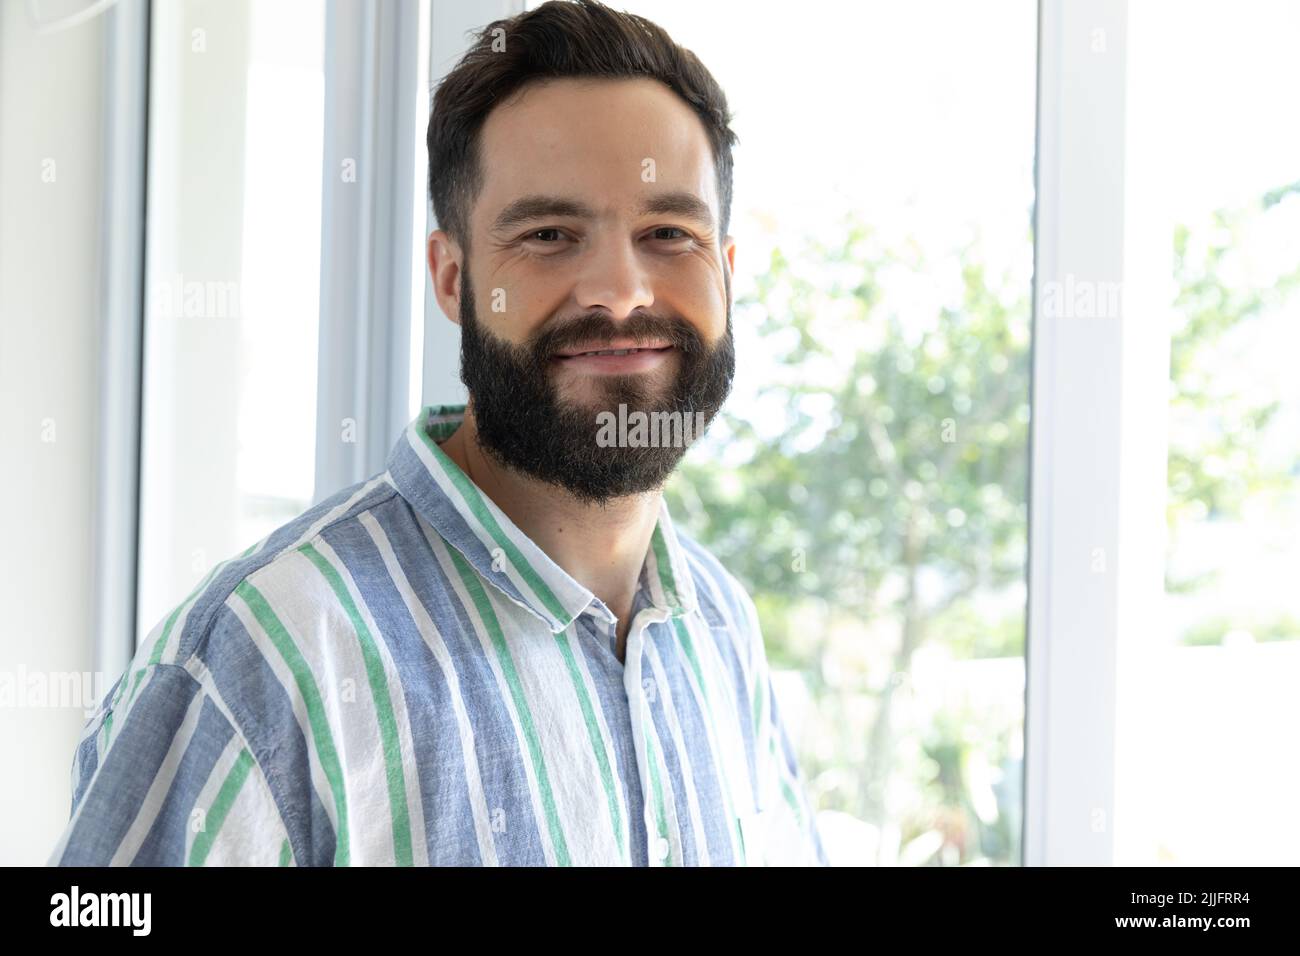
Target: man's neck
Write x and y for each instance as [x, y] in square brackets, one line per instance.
[602, 547]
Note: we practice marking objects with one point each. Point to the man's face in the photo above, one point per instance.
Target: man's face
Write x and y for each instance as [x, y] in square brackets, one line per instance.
[596, 231]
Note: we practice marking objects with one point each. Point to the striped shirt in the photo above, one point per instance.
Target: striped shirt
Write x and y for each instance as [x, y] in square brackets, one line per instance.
[399, 676]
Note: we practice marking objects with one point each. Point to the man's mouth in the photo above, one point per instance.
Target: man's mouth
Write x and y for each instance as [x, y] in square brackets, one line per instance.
[615, 357]
[614, 348]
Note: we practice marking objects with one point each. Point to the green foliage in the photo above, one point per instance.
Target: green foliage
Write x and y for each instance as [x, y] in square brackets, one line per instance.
[1213, 462]
[901, 449]
[879, 499]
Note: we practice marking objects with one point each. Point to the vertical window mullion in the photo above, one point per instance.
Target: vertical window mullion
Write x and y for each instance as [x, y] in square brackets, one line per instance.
[1077, 478]
[121, 330]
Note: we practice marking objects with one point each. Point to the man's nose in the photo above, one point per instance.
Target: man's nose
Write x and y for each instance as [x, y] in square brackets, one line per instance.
[614, 279]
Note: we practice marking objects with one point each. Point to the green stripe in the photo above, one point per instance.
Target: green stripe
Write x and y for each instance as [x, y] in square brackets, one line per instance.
[480, 599]
[383, 708]
[656, 785]
[667, 580]
[230, 788]
[474, 500]
[684, 635]
[286, 854]
[597, 743]
[315, 708]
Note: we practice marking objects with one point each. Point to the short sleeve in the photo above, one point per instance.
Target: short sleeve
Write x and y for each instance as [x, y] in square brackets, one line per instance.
[161, 777]
[783, 831]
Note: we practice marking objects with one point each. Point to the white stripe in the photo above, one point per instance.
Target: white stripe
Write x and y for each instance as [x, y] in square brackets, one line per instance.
[305, 604]
[643, 729]
[252, 832]
[397, 702]
[271, 655]
[572, 769]
[611, 755]
[658, 596]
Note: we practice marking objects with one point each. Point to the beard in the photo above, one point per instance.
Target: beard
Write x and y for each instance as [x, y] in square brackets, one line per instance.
[525, 424]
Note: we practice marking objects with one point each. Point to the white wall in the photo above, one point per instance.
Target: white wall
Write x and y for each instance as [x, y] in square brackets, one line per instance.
[49, 111]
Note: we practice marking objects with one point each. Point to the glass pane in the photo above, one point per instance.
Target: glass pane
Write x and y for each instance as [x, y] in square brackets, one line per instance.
[232, 287]
[1209, 702]
[868, 481]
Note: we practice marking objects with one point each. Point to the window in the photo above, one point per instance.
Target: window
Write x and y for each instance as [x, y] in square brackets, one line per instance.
[1203, 774]
[232, 284]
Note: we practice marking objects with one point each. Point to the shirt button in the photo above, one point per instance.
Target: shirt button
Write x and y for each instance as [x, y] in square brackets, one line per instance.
[661, 848]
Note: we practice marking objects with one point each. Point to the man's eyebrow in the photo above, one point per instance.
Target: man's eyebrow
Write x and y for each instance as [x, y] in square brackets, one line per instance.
[530, 208]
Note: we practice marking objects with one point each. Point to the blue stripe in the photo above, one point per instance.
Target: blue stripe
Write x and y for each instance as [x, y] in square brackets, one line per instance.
[438, 752]
[127, 770]
[165, 843]
[500, 757]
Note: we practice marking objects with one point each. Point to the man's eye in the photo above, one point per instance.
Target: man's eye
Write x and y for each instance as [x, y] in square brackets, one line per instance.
[552, 235]
[538, 232]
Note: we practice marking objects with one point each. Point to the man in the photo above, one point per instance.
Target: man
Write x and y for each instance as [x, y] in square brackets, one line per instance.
[499, 650]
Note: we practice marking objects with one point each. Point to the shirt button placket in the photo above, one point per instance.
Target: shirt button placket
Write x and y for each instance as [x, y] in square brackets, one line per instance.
[656, 844]
[661, 850]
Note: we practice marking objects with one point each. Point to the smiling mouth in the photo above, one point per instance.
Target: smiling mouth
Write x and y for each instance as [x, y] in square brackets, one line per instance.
[663, 348]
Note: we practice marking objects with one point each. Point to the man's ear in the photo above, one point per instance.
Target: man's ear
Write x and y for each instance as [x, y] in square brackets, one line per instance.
[444, 270]
[729, 255]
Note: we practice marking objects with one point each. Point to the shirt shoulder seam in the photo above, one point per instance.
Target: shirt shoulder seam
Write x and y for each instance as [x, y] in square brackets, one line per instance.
[215, 608]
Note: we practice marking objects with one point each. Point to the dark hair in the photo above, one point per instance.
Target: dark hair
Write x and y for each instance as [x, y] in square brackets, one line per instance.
[560, 38]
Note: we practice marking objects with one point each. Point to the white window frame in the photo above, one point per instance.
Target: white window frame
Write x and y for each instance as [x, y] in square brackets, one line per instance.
[115, 535]
[371, 74]
[1098, 458]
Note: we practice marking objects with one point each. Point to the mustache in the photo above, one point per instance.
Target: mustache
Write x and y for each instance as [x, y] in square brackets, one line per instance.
[599, 329]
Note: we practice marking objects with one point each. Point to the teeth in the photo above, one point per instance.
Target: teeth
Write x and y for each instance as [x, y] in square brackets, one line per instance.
[616, 351]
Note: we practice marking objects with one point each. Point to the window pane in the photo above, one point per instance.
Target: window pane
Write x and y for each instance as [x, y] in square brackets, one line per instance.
[232, 288]
[868, 482]
[1208, 699]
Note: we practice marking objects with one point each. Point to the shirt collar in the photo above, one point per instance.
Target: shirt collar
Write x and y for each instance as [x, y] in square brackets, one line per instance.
[469, 521]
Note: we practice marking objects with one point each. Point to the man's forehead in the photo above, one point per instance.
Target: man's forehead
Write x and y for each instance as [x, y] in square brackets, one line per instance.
[607, 143]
